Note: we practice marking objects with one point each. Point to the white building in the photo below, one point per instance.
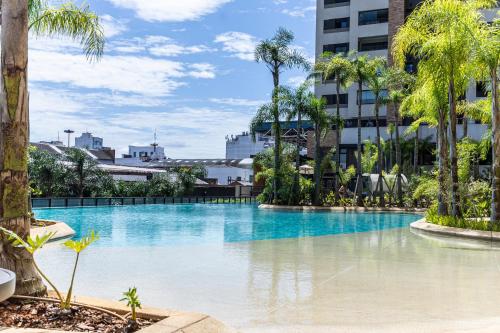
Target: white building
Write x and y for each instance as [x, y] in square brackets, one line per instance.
[368, 27]
[88, 141]
[242, 146]
[147, 152]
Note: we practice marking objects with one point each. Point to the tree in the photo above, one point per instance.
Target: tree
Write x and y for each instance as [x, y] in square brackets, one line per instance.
[338, 68]
[17, 17]
[83, 172]
[429, 104]
[361, 70]
[399, 84]
[321, 121]
[296, 103]
[377, 83]
[278, 54]
[487, 54]
[390, 131]
[46, 173]
[440, 34]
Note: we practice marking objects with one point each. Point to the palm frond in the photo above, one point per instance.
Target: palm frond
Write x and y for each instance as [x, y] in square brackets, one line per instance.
[78, 23]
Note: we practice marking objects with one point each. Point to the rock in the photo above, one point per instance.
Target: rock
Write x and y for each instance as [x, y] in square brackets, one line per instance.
[34, 312]
[85, 327]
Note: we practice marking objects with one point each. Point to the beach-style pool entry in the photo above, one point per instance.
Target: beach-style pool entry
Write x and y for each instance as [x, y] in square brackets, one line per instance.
[264, 271]
[199, 223]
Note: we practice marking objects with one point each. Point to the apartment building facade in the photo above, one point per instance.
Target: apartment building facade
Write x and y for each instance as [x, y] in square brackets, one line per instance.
[369, 26]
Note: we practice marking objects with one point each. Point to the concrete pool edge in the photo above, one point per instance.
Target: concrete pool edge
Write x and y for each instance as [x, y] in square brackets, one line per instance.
[171, 321]
[342, 209]
[60, 229]
[424, 226]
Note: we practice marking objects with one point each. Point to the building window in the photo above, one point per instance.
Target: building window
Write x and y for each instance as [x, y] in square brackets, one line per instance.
[336, 48]
[482, 89]
[331, 100]
[336, 3]
[373, 16]
[368, 97]
[336, 25]
[373, 43]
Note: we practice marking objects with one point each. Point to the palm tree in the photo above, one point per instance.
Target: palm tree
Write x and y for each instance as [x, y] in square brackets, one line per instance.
[278, 55]
[361, 70]
[338, 68]
[429, 104]
[390, 131]
[400, 84]
[439, 33]
[321, 121]
[17, 17]
[487, 53]
[377, 83]
[296, 103]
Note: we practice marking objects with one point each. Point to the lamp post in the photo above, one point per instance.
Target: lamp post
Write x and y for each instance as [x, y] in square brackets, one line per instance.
[68, 131]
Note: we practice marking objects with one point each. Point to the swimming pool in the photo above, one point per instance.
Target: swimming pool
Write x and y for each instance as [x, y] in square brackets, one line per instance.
[201, 223]
[274, 271]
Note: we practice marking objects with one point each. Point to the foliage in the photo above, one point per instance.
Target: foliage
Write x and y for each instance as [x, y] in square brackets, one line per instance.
[186, 178]
[133, 301]
[463, 223]
[369, 157]
[32, 245]
[47, 173]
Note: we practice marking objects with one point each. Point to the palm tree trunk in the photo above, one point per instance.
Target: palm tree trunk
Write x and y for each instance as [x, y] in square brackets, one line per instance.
[359, 172]
[296, 179]
[455, 196]
[391, 153]
[443, 165]
[380, 184]
[277, 139]
[337, 147]
[415, 151]
[399, 187]
[465, 127]
[14, 141]
[495, 202]
[317, 165]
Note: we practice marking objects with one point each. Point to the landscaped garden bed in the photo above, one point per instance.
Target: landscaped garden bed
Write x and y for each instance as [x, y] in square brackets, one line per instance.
[44, 314]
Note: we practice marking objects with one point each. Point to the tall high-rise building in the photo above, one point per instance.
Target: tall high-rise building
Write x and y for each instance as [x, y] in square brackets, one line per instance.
[369, 28]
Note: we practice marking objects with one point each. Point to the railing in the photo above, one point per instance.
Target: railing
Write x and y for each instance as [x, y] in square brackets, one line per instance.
[95, 202]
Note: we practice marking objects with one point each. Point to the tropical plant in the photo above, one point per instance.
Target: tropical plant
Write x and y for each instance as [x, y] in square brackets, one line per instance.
[440, 34]
[133, 302]
[32, 245]
[46, 173]
[83, 172]
[17, 17]
[278, 54]
[338, 68]
[296, 103]
[321, 121]
[370, 157]
[377, 83]
[361, 71]
[186, 177]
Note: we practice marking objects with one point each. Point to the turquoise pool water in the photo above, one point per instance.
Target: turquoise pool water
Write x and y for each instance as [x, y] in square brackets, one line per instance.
[201, 223]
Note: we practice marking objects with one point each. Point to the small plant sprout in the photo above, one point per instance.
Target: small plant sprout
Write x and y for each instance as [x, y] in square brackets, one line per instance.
[78, 247]
[32, 245]
[132, 302]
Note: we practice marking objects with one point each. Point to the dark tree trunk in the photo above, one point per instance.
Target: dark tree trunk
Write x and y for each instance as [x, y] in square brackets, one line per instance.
[495, 202]
[359, 171]
[337, 147]
[296, 180]
[415, 151]
[277, 139]
[380, 183]
[317, 166]
[14, 141]
[443, 165]
[455, 196]
[399, 185]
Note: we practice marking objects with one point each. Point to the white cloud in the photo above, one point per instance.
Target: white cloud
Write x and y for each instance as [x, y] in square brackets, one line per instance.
[131, 74]
[239, 44]
[171, 10]
[160, 46]
[296, 81]
[111, 26]
[237, 102]
[299, 11]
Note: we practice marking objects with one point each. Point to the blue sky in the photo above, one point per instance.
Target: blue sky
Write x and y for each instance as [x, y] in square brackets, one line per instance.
[182, 67]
